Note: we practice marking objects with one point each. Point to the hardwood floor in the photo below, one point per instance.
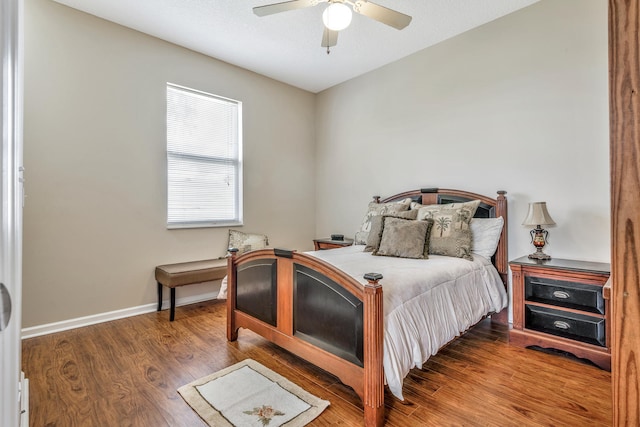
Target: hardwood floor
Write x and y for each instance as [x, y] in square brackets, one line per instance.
[126, 372]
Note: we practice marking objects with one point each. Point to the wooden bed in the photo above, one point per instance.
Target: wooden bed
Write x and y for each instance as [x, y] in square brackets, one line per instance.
[323, 315]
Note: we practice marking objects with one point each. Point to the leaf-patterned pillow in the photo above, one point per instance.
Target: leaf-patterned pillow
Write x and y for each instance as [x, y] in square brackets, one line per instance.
[378, 209]
[451, 233]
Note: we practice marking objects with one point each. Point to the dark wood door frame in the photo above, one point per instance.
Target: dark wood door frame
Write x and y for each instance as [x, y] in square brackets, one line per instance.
[624, 116]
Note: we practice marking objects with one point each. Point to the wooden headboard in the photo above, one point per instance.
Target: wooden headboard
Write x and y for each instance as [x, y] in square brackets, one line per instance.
[489, 208]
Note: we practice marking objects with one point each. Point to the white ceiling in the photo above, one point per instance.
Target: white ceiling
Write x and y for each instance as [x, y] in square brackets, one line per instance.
[286, 46]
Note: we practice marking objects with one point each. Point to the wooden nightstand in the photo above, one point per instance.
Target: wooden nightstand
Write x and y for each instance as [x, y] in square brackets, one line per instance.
[321, 244]
[562, 304]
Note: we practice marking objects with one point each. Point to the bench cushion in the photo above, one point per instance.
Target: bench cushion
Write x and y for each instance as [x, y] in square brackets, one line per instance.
[186, 273]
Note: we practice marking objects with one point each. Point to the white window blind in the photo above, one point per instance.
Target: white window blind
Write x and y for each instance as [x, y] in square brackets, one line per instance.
[204, 167]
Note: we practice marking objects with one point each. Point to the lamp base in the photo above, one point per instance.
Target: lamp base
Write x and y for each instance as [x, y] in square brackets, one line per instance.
[538, 238]
[539, 255]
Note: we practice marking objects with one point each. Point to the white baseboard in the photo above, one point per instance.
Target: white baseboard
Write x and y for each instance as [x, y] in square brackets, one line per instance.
[79, 322]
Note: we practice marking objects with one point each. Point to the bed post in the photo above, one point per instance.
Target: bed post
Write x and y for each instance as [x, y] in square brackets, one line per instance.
[373, 393]
[232, 330]
[501, 255]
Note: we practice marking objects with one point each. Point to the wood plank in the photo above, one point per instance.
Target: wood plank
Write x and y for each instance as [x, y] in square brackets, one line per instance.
[126, 372]
[624, 128]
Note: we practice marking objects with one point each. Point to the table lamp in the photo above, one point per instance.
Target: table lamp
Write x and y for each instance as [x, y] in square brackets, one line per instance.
[538, 216]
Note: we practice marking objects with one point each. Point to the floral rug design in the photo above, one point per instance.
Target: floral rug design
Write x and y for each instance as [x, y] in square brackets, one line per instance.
[265, 413]
[249, 394]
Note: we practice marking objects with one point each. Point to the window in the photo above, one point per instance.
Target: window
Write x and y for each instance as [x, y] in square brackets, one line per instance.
[204, 159]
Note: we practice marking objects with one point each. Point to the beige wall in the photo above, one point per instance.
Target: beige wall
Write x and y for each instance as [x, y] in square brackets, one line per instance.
[95, 213]
[519, 104]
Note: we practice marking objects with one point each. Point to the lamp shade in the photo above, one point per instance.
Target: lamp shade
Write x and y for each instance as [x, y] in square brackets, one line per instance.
[337, 16]
[538, 215]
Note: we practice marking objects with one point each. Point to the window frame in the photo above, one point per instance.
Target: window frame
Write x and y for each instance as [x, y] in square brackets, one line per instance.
[237, 163]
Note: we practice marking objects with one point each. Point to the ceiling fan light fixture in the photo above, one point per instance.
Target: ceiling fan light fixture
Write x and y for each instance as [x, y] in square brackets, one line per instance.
[337, 16]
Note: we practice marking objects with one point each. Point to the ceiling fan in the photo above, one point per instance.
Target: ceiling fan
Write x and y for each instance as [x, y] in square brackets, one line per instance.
[337, 15]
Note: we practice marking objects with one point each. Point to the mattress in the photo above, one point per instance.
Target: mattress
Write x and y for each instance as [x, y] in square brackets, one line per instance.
[427, 303]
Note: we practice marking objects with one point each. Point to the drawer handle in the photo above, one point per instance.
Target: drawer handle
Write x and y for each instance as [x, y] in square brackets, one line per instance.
[561, 325]
[561, 294]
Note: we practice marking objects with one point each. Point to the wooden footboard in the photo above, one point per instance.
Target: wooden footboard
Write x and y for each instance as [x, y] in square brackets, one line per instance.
[315, 311]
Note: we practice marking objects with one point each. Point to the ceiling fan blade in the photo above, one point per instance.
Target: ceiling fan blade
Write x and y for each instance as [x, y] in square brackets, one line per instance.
[382, 14]
[329, 38]
[270, 9]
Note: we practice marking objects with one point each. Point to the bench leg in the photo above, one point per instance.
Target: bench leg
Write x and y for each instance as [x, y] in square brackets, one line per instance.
[159, 296]
[172, 314]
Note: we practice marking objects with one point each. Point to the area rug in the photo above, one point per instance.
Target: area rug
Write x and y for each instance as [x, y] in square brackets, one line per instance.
[249, 394]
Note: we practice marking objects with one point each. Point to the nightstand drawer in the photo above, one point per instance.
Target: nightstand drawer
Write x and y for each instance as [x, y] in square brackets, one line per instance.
[578, 296]
[574, 326]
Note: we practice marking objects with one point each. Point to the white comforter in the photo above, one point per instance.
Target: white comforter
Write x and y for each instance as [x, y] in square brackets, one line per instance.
[427, 303]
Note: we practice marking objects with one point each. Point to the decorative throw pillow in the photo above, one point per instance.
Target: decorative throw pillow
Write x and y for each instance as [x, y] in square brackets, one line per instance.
[427, 242]
[485, 235]
[246, 242]
[416, 205]
[373, 240]
[378, 209]
[403, 238]
[451, 234]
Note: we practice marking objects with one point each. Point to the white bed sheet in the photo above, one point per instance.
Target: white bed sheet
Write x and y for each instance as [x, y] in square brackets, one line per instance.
[427, 303]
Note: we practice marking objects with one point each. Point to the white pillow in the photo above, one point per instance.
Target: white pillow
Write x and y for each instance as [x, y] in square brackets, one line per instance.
[485, 234]
[223, 289]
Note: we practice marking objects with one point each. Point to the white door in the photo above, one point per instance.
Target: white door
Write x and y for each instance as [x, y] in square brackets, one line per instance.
[11, 212]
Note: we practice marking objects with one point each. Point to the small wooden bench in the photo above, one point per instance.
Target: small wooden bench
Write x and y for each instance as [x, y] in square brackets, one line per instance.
[187, 273]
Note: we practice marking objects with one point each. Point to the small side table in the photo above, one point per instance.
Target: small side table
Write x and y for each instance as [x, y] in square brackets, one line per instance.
[562, 304]
[327, 243]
